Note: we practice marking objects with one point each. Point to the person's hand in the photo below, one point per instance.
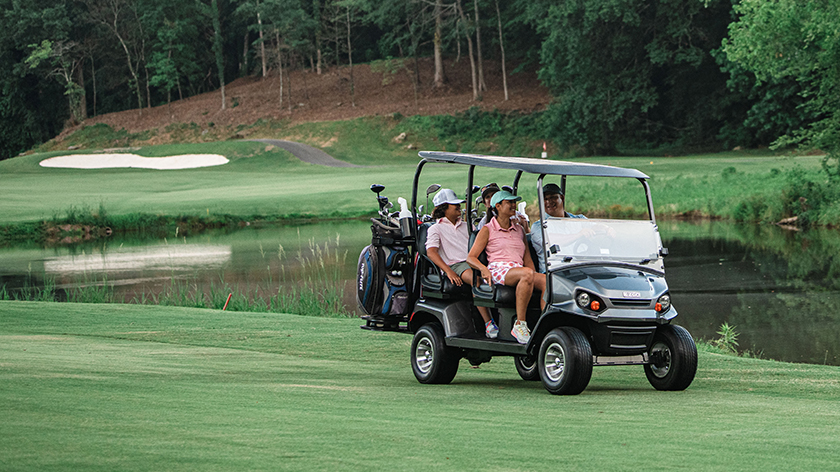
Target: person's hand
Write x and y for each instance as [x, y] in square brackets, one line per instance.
[453, 277]
[587, 232]
[485, 274]
[520, 219]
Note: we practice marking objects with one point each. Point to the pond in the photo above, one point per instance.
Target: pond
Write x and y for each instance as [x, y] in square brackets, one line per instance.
[779, 288]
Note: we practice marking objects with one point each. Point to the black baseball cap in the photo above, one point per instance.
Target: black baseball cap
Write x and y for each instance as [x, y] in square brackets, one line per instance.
[551, 189]
[489, 189]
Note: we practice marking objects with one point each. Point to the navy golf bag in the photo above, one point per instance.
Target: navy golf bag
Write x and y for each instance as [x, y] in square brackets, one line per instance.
[383, 276]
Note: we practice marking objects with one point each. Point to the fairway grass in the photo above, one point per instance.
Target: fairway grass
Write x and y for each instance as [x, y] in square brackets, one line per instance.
[127, 387]
[264, 182]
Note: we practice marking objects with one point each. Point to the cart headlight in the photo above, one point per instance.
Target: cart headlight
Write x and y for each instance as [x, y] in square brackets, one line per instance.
[582, 300]
[664, 303]
[589, 302]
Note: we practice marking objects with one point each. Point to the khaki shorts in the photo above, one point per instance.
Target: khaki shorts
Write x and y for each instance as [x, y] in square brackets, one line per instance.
[459, 267]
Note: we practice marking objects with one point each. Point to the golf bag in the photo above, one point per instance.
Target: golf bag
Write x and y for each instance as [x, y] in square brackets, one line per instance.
[383, 276]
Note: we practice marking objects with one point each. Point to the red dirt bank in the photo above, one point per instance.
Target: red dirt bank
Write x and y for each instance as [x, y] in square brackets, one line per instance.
[326, 97]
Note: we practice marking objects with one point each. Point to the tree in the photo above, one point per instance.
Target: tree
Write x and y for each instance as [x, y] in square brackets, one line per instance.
[64, 64]
[121, 20]
[798, 40]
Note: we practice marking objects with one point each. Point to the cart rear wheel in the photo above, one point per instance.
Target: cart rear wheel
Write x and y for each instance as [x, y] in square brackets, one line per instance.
[526, 366]
[431, 360]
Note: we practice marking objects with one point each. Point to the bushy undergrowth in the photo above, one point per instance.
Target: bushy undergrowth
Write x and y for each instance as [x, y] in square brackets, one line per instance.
[99, 136]
[812, 197]
[476, 130]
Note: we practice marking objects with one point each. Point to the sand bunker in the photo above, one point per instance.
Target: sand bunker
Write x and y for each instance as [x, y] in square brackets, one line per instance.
[108, 161]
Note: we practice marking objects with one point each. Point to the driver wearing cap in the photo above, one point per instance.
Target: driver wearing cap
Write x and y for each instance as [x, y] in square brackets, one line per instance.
[555, 205]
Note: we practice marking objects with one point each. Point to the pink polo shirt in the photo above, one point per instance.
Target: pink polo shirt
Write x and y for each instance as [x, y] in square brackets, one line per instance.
[451, 240]
[505, 245]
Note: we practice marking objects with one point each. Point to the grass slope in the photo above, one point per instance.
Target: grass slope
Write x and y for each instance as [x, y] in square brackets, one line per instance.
[105, 387]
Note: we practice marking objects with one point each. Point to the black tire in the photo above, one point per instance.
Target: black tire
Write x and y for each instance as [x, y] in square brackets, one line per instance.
[673, 358]
[526, 366]
[431, 360]
[565, 361]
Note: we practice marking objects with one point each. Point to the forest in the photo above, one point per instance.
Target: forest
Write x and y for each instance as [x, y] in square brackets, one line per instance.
[623, 74]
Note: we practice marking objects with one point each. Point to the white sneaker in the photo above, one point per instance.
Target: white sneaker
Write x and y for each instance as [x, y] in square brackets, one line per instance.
[491, 330]
[521, 332]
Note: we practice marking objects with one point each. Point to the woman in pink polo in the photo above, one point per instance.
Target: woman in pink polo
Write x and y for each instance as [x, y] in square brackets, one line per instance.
[508, 259]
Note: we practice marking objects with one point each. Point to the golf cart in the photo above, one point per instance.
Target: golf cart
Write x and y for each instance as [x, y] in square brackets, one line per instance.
[607, 301]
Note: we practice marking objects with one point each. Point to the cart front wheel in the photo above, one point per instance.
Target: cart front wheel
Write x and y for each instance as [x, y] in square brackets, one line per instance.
[673, 359]
[565, 361]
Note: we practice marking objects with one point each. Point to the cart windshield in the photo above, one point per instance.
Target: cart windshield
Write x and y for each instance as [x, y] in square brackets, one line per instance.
[576, 240]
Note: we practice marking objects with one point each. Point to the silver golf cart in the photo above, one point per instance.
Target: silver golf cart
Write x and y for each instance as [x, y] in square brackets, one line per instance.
[607, 301]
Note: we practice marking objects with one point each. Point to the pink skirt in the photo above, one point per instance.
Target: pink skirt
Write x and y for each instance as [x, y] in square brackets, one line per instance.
[498, 270]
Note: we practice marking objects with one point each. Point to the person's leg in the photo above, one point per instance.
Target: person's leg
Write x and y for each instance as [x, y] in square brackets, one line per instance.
[467, 277]
[490, 327]
[523, 279]
[539, 284]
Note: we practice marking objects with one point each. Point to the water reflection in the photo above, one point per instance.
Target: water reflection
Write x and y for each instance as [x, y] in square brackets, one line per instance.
[112, 262]
[778, 288]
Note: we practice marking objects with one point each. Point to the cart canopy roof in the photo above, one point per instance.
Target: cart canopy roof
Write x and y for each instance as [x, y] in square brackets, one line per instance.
[532, 165]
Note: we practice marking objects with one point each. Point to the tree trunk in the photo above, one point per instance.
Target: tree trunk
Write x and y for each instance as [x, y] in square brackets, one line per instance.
[289, 77]
[476, 91]
[243, 66]
[305, 87]
[502, 47]
[169, 86]
[481, 84]
[148, 90]
[440, 78]
[93, 76]
[318, 16]
[350, 60]
[131, 68]
[217, 47]
[80, 79]
[280, 64]
[262, 44]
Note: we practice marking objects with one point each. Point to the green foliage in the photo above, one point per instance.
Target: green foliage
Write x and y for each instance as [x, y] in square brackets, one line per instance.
[789, 40]
[728, 340]
[630, 72]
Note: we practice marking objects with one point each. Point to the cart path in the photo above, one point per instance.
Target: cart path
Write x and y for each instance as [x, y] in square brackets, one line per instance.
[307, 153]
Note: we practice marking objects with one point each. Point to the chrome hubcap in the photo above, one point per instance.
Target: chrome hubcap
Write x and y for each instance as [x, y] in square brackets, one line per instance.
[662, 354]
[555, 362]
[424, 355]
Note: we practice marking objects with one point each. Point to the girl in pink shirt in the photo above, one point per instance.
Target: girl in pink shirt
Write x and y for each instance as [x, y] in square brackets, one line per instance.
[508, 259]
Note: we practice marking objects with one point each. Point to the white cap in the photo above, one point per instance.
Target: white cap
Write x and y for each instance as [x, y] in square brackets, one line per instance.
[446, 195]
